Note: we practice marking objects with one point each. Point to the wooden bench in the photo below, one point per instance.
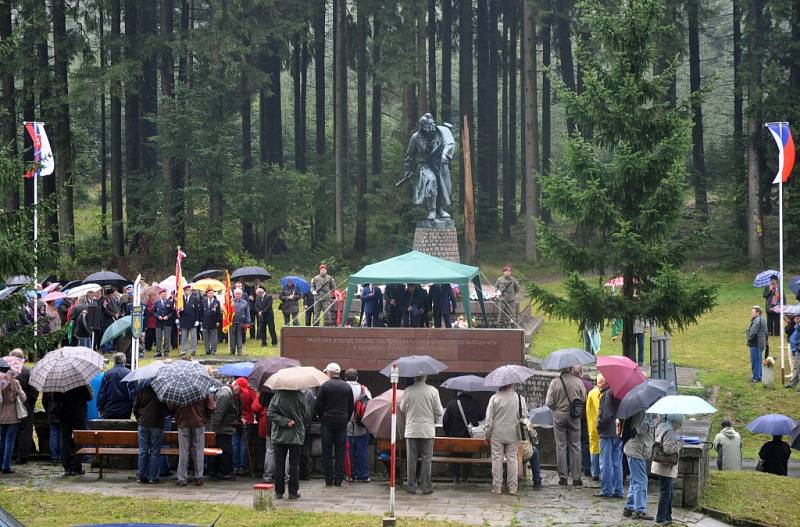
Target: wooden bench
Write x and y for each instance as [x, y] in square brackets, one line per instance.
[451, 445]
[101, 443]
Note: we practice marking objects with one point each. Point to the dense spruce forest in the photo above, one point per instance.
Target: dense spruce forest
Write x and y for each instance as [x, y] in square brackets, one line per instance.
[247, 129]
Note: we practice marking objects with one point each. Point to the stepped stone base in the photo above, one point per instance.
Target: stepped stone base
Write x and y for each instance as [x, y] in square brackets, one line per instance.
[438, 238]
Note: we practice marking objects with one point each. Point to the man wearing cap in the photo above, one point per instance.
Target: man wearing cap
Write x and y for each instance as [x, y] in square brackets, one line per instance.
[333, 407]
[163, 310]
[212, 318]
[189, 319]
[322, 287]
[507, 289]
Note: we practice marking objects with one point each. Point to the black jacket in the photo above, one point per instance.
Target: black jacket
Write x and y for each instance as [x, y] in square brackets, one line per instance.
[335, 403]
[115, 399]
[263, 304]
[212, 316]
[452, 422]
[192, 312]
[31, 394]
[607, 414]
[148, 410]
[776, 457]
[164, 308]
[71, 407]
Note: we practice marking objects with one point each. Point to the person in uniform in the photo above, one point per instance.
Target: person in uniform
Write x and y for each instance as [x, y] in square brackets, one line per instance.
[507, 288]
[322, 287]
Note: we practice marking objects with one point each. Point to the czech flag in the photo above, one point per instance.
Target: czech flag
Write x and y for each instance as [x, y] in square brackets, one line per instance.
[783, 137]
[42, 153]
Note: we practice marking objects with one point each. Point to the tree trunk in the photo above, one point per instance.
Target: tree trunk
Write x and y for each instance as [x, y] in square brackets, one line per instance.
[446, 35]
[8, 133]
[562, 17]
[298, 106]
[794, 68]
[319, 76]
[755, 244]
[484, 211]
[494, 52]
[508, 207]
[432, 57]
[245, 110]
[175, 202]
[117, 228]
[29, 102]
[132, 130]
[531, 130]
[422, 64]
[340, 113]
[360, 243]
[103, 142]
[523, 184]
[698, 151]
[511, 194]
[465, 76]
[270, 107]
[377, 98]
[63, 136]
[149, 112]
[547, 153]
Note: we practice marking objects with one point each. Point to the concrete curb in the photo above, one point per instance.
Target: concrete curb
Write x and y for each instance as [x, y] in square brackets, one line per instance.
[727, 518]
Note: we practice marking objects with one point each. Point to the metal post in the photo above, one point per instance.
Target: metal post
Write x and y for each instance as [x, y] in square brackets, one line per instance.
[137, 302]
[391, 520]
[35, 264]
[780, 270]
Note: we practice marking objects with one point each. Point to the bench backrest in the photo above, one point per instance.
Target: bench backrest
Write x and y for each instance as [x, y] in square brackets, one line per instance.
[129, 438]
[461, 445]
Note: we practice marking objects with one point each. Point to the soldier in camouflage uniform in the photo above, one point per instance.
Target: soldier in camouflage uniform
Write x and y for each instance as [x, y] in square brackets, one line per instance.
[507, 288]
[322, 287]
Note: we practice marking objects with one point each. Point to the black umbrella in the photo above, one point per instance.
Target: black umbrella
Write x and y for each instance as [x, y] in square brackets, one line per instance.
[71, 284]
[8, 291]
[251, 273]
[19, 279]
[210, 273]
[795, 437]
[641, 397]
[266, 367]
[105, 278]
[414, 366]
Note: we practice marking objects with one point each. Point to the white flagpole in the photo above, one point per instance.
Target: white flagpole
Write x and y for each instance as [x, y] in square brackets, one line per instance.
[780, 276]
[35, 263]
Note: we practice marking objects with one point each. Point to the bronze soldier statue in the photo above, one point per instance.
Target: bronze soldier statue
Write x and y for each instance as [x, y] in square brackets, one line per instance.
[429, 153]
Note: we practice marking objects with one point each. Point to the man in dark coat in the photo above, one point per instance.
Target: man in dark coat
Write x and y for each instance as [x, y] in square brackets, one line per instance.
[71, 407]
[334, 406]
[369, 300]
[115, 399]
[226, 418]
[150, 414]
[25, 430]
[212, 320]
[417, 299]
[189, 319]
[265, 317]
[458, 413]
[163, 310]
[394, 314]
[444, 304]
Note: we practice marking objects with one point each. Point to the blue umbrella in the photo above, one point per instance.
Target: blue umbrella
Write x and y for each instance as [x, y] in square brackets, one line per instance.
[299, 283]
[145, 372]
[237, 369]
[762, 279]
[794, 284]
[772, 424]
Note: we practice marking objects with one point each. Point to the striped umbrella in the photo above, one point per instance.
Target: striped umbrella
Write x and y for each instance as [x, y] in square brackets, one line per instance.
[66, 368]
[182, 383]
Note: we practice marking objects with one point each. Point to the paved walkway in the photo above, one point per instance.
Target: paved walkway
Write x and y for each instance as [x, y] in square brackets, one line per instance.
[471, 504]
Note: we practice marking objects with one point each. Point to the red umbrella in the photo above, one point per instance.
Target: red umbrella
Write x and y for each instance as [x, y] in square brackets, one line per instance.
[55, 295]
[621, 374]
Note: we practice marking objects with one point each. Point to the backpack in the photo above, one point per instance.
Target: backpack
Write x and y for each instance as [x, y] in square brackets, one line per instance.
[360, 405]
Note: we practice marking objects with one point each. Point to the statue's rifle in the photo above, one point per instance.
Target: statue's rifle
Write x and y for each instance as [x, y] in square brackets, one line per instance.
[404, 179]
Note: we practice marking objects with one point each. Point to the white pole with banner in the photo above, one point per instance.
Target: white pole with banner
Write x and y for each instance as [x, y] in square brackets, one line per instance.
[137, 320]
[391, 520]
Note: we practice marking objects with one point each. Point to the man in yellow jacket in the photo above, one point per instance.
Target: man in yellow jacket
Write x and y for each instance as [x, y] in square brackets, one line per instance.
[592, 410]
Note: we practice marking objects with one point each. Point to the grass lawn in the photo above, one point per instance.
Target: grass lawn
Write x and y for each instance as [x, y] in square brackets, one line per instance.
[754, 496]
[716, 345]
[37, 508]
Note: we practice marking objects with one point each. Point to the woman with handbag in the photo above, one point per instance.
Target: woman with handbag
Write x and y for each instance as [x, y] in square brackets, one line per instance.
[504, 432]
[665, 457]
[12, 411]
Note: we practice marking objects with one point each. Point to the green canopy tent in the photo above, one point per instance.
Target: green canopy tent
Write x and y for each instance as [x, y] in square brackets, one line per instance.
[419, 268]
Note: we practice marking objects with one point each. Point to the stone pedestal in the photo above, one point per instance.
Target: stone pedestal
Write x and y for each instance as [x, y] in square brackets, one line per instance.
[438, 238]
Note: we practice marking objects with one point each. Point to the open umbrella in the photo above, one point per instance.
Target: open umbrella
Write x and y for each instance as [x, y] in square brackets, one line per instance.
[791, 309]
[772, 424]
[621, 374]
[250, 273]
[19, 279]
[414, 366]
[795, 437]
[182, 383]
[71, 284]
[82, 290]
[565, 358]
[378, 415]
[762, 278]
[210, 273]
[105, 278]
[50, 288]
[296, 378]
[541, 416]
[168, 283]
[467, 383]
[8, 291]
[237, 369]
[794, 284]
[15, 363]
[642, 397]
[681, 404]
[117, 328]
[263, 369]
[66, 368]
[53, 296]
[205, 283]
[508, 374]
[145, 372]
[299, 282]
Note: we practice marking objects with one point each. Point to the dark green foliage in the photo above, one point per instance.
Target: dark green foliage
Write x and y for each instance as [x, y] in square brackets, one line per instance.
[622, 191]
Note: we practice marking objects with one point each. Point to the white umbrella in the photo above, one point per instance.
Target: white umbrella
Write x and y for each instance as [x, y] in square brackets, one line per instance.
[168, 283]
[681, 404]
[296, 378]
[82, 290]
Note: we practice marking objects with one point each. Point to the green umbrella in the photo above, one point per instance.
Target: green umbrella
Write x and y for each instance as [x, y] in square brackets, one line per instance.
[116, 329]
